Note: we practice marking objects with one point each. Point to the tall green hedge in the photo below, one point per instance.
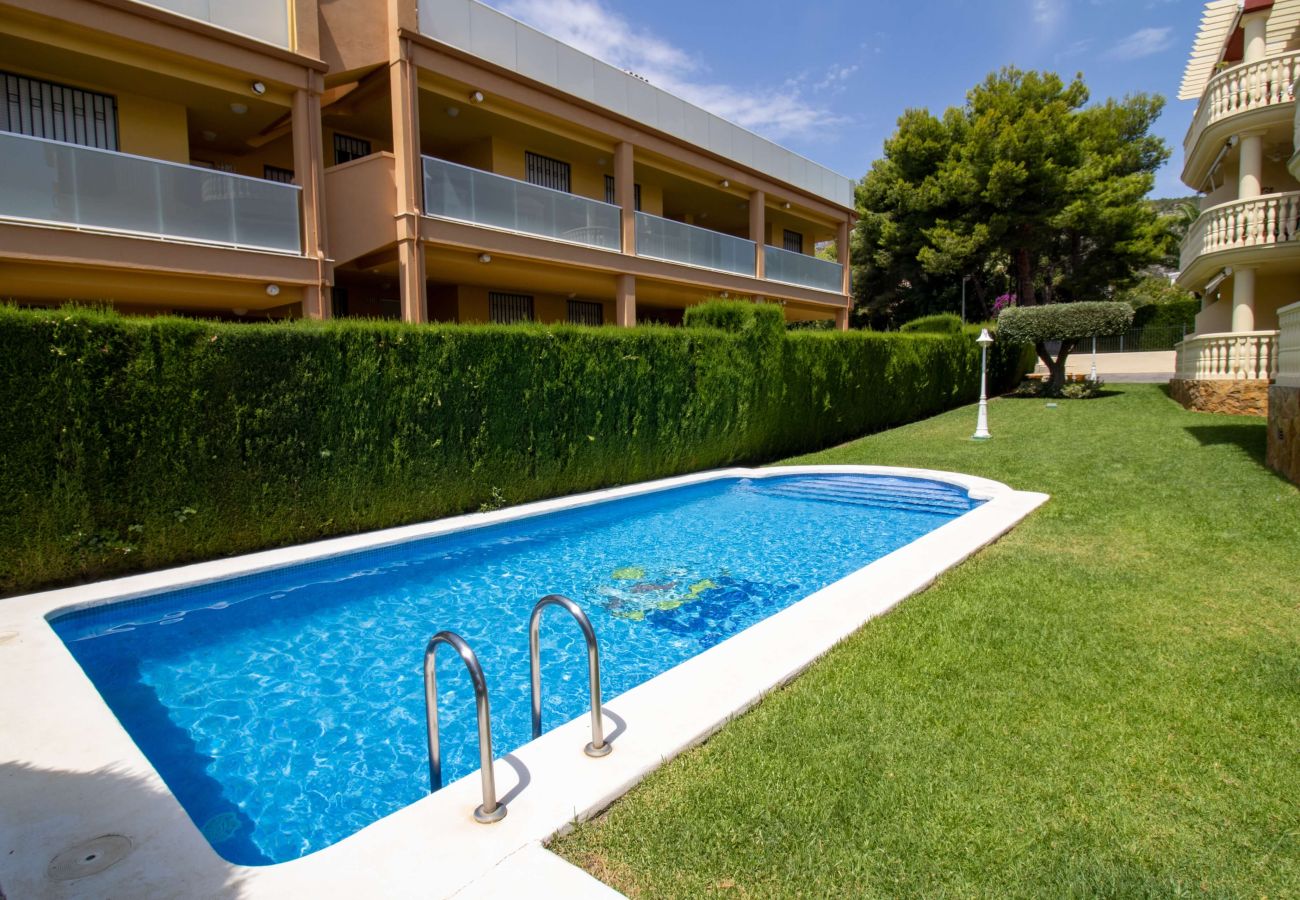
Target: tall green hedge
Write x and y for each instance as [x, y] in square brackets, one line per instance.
[134, 443]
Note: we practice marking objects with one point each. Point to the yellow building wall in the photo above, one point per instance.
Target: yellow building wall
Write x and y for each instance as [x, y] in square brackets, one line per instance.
[548, 309]
[1272, 292]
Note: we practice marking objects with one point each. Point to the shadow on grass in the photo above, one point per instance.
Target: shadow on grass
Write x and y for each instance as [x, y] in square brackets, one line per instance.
[1102, 394]
[1248, 436]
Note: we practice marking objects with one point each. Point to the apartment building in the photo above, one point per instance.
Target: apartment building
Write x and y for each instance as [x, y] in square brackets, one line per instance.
[436, 161]
[1241, 255]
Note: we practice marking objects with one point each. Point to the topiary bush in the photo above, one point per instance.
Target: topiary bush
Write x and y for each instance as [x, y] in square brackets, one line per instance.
[1067, 323]
[736, 316]
[941, 323]
[132, 443]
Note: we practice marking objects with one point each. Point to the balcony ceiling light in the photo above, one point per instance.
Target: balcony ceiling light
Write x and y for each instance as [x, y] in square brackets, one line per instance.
[476, 97]
[258, 88]
[485, 258]
[725, 183]
[272, 290]
[785, 205]
[239, 108]
[209, 136]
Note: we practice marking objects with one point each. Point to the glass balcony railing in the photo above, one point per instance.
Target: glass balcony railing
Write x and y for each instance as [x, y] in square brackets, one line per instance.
[453, 191]
[678, 242]
[265, 20]
[83, 187]
[805, 271]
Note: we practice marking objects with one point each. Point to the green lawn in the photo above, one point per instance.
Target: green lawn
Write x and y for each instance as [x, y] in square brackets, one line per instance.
[1106, 703]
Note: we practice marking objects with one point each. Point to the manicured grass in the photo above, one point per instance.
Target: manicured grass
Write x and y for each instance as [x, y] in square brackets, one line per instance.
[1104, 703]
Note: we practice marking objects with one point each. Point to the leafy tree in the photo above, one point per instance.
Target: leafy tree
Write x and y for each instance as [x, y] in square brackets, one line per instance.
[1066, 323]
[1025, 188]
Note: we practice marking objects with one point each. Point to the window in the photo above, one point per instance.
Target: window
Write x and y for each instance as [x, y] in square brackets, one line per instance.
[275, 173]
[47, 110]
[546, 172]
[347, 148]
[214, 166]
[504, 309]
[793, 241]
[586, 312]
[611, 193]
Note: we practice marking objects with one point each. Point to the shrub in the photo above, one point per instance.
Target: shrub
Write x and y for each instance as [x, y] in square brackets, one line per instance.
[942, 323]
[1174, 314]
[135, 443]
[1064, 322]
[735, 316]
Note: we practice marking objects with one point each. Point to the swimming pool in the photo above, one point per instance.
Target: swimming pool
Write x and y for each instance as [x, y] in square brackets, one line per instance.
[85, 812]
[285, 709]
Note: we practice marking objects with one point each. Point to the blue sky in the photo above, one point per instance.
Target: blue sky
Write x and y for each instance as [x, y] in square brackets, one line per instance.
[829, 79]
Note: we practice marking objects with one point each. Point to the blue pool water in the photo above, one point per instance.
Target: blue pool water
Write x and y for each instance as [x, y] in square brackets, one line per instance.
[285, 710]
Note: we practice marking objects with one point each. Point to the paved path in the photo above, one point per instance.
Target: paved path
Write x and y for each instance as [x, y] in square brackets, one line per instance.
[1155, 366]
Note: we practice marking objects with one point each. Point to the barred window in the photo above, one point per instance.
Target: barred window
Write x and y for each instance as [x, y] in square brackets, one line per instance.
[57, 112]
[611, 193]
[586, 312]
[793, 241]
[503, 309]
[348, 148]
[546, 172]
[276, 173]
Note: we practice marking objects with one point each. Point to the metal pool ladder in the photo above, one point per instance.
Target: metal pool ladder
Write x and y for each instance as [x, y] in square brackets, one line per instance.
[598, 746]
[491, 811]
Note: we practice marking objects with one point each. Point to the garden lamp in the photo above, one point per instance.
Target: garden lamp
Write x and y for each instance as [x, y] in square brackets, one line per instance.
[982, 422]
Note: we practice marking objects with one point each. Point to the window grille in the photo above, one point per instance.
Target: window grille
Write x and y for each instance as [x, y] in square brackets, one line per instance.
[503, 309]
[275, 173]
[793, 241]
[611, 193]
[57, 112]
[586, 312]
[546, 172]
[347, 148]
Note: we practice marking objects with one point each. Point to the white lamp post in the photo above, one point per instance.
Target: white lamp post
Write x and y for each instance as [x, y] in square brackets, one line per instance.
[1092, 376]
[982, 423]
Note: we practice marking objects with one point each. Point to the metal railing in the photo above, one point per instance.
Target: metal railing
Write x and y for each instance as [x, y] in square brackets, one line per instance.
[800, 269]
[659, 238]
[490, 811]
[1138, 340]
[266, 20]
[465, 194]
[103, 190]
[598, 746]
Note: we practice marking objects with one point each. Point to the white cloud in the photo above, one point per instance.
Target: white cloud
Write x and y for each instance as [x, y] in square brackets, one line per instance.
[1143, 42]
[775, 111]
[1047, 13]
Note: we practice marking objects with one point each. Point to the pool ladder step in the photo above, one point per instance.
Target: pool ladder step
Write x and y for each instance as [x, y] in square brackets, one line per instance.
[886, 497]
[490, 810]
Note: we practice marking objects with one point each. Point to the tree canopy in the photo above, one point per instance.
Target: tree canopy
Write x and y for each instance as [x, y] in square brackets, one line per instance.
[1025, 188]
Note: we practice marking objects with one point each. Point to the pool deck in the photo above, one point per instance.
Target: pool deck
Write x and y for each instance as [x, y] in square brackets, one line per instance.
[71, 777]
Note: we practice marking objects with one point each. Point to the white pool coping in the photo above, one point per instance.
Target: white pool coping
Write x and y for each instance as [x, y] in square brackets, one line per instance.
[70, 773]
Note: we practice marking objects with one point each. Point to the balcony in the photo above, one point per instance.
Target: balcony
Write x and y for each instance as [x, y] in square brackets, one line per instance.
[678, 242]
[1288, 346]
[804, 271]
[1262, 222]
[1234, 356]
[265, 20]
[1242, 89]
[457, 192]
[67, 185]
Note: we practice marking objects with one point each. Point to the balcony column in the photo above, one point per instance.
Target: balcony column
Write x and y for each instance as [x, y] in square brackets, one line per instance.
[842, 319]
[308, 170]
[1254, 27]
[842, 255]
[404, 90]
[625, 194]
[1250, 169]
[757, 229]
[1243, 299]
[625, 301]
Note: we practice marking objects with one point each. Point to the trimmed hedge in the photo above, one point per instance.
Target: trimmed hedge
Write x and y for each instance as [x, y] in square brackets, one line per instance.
[940, 323]
[1175, 314]
[134, 443]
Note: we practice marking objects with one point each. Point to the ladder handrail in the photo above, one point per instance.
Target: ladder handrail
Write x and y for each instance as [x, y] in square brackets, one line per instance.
[598, 746]
[490, 811]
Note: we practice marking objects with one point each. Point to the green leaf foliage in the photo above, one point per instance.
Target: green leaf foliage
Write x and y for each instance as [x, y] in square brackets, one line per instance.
[132, 443]
[736, 316]
[1063, 321]
[941, 323]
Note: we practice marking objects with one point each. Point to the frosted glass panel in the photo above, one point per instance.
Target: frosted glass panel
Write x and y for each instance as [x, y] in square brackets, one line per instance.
[678, 242]
[81, 186]
[454, 191]
[807, 271]
[266, 20]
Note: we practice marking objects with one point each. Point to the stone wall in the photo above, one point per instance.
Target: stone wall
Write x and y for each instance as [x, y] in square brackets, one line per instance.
[1237, 398]
[1284, 431]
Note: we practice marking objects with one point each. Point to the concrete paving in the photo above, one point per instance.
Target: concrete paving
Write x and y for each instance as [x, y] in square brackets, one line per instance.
[1151, 367]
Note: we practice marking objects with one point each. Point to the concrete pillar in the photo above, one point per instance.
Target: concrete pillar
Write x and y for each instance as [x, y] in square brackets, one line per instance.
[842, 255]
[757, 230]
[1254, 25]
[1243, 299]
[625, 193]
[1251, 166]
[842, 319]
[308, 172]
[625, 301]
[404, 91]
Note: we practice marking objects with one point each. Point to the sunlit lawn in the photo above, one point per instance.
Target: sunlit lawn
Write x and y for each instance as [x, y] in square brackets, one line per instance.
[1105, 703]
